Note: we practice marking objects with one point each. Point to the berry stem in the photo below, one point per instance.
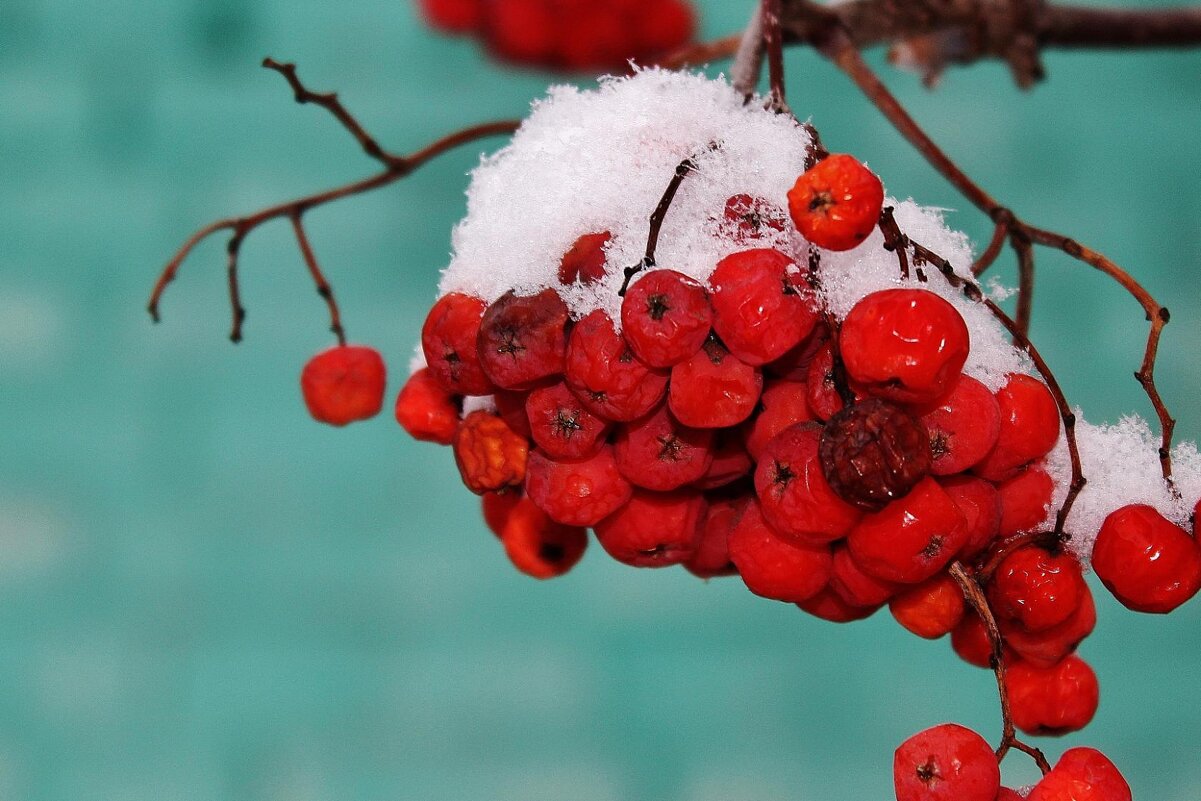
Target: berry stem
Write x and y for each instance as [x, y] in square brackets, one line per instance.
[895, 240]
[656, 220]
[974, 595]
[1025, 258]
[748, 60]
[323, 287]
[773, 40]
[999, 235]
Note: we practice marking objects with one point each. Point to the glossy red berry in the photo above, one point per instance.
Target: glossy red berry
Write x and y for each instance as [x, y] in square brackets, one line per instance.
[523, 339]
[584, 261]
[654, 529]
[912, 538]
[1082, 774]
[658, 453]
[712, 555]
[1029, 428]
[980, 504]
[836, 203]
[1036, 589]
[963, 427]
[448, 340]
[1025, 499]
[746, 218]
[665, 317]
[856, 587]
[344, 384]
[829, 605]
[561, 426]
[931, 609]
[772, 566]
[873, 452]
[490, 456]
[1052, 701]
[453, 16]
[905, 345]
[824, 400]
[537, 545]
[762, 307]
[605, 374]
[497, 506]
[713, 388]
[797, 500]
[946, 763]
[1149, 563]
[782, 404]
[578, 493]
[426, 410]
[1048, 647]
[970, 641]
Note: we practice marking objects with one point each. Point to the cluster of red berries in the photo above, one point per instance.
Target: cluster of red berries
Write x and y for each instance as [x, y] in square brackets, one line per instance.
[952, 763]
[576, 35]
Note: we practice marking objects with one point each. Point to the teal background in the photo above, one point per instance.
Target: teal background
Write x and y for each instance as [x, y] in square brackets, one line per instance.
[205, 595]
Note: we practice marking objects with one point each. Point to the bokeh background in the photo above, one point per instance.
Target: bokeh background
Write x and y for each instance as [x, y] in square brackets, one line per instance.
[206, 595]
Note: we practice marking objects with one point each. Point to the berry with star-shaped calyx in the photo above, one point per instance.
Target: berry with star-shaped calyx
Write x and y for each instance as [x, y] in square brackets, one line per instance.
[912, 538]
[561, 426]
[606, 376]
[448, 341]
[762, 307]
[963, 427]
[836, 203]
[523, 339]
[797, 500]
[946, 763]
[654, 529]
[665, 317]
[658, 453]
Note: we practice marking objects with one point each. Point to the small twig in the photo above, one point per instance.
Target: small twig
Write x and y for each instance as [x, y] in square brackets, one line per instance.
[323, 287]
[748, 61]
[974, 595]
[235, 300]
[895, 240]
[773, 41]
[1025, 255]
[999, 235]
[656, 221]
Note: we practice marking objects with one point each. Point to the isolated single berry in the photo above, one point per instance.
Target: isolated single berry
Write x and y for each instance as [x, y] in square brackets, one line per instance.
[665, 316]
[980, 504]
[772, 566]
[426, 410]
[946, 763]
[584, 261]
[490, 456]
[1036, 589]
[561, 426]
[713, 388]
[746, 218]
[762, 307]
[873, 452]
[580, 493]
[797, 500]
[905, 345]
[963, 427]
[912, 538]
[606, 376]
[448, 340]
[654, 529]
[523, 339]
[497, 506]
[931, 609]
[537, 545]
[1048, 647]
[1029, 428]
[712, 555]
[856, 587]
[1052, 701]
[1025, 499]
[1149, 563]
[828, 605]
[658, 453]
[782, 404]
[344, 384]
[1082, 774]
[836, 204]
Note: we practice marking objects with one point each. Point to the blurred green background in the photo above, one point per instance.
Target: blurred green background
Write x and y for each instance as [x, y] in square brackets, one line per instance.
[206, 595]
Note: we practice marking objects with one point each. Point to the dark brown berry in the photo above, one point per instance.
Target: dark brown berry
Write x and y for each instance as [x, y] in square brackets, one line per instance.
[873, 452]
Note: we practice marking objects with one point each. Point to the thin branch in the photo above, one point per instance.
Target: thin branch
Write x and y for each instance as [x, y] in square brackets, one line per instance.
[999, 235]
[773, 41]
[894, 240]
[1025, 254]
[974, 595]
[323, 287]
[683, 169]
[748, 60]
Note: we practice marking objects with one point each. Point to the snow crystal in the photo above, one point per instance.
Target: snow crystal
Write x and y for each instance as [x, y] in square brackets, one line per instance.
[599, 160]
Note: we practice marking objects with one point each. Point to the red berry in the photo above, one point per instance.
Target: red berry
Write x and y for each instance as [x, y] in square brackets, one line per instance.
[344, 384]
[1029, 427]
[452, 16]
[521, 31]
[980, 504]
[606, 375]
[510, 405]
[497, 506]
[490, 456]
[1036, 589]
[713, 388]
[665, 316]
[655, 529]
[1048, 647]
[585, 259]
[1082, 774]
[873, 452]
[577, 493]
[1025, 499]
[824, 400]
[782, 404]
[1052, 701]
[794, 365]
[836, 203]
[747, 218]
[931, 609]
[662, 26]
[761, 305]
[561, 426]
[854, 586]
[448, 339]
[730, 461]
[523, 339]
[773, 567]
[797, 500]
[1147, 562]
[970, 641]
[712, 555]
[946, 763]
[963, 427]
[912, 538]
[658, 453]
[426, 410]
[1008, 795]
[828, 605]
[537, 545]
[905, 345]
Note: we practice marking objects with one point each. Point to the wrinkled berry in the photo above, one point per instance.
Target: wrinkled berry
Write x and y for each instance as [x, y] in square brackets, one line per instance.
[1036, 589]
[605, 374]
[654, 529]
[523, 339]
[836, 203]
[665, 317]
[561, 426]
[490, 456]
[873, 452]
[762, 306]
[577, 493]
[658, 453]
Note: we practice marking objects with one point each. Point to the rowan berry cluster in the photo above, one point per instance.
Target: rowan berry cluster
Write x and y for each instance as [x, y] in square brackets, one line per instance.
[574, 35]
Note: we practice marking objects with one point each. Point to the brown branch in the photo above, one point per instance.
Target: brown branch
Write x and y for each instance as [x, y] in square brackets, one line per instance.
[1025, 255]
[656, 222]
[323, 287]
[974, 595]
[894, 240]
[773, 41]
[999, 235]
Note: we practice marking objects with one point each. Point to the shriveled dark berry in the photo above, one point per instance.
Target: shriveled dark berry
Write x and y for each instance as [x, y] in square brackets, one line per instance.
[873, 452]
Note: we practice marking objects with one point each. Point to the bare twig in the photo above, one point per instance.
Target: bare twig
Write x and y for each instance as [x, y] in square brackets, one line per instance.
[773, 41]
[323, 287]
[656, 222]
[1025, 255]
[748, 60]
[995, 246]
